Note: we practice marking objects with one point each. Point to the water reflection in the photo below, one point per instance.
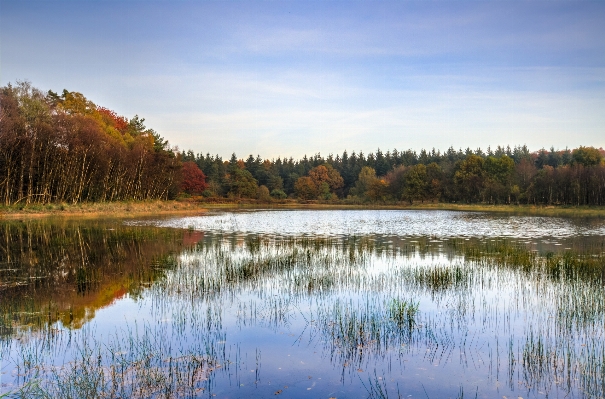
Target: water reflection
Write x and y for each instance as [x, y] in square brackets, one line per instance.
[65, 270]
[398, 223]
[237, 314]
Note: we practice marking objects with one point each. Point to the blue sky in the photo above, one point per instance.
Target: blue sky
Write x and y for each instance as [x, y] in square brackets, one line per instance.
[287, 78]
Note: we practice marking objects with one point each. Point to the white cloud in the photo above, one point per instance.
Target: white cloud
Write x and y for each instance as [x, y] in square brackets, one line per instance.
[212, 77]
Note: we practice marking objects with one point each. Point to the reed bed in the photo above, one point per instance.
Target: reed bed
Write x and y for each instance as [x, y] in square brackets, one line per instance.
[533, 321]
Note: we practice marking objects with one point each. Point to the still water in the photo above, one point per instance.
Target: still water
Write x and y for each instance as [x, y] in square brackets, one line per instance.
[327, 304]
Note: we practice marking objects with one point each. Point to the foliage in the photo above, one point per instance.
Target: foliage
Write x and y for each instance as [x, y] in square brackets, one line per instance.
[587, 156]
[469, 178]
[278, 194]
[263, 194]
[305, 188]
[322, 182]
[64, 148]
[416, 183]
[503, 176]
[194, 180]
[366, 179]
[498, 178]
[241, 184]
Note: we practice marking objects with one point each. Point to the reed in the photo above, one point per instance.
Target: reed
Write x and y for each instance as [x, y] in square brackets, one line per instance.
[359, 300]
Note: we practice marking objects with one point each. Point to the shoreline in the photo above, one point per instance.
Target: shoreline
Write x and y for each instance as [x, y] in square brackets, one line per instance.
[168, 207]
[122, 210]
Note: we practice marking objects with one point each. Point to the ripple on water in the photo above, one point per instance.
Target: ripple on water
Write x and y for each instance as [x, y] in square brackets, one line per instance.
[438, 224]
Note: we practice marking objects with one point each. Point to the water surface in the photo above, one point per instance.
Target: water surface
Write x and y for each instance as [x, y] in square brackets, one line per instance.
[388, 222]
[307, 303]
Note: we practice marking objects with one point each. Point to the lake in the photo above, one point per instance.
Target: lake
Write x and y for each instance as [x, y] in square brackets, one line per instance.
[304, 303]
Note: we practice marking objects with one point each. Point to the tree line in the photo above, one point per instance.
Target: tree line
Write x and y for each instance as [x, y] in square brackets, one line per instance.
[64, 148]
[501, 176]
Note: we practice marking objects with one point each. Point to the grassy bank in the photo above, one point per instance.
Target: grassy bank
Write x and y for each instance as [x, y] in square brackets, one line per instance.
[102, 209]
[149, 208]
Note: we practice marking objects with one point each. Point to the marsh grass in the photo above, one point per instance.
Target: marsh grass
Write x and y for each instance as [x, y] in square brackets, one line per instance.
[132, 364]
[377, 387]
[535, 318]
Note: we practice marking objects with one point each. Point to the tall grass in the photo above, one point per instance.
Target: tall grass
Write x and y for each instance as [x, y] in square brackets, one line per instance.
[533, 319]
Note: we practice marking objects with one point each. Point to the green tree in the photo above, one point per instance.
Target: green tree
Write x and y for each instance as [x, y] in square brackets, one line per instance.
[498, 178]
[365, 180]
[278, 194]
[275, 182]
[469, 178]
[587, 156]
[416, 183]
[434, 178]
[241, 184]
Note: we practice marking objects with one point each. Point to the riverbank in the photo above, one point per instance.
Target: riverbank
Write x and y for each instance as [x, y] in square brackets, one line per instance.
[189, 206]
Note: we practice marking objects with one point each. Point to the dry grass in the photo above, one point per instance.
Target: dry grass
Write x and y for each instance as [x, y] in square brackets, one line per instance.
[198, 205]
[103, 209]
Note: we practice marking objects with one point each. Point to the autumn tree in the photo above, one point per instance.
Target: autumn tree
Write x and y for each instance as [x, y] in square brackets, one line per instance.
[434, 179]
[524, 173]
[498, 178]
[396, 181]
[378, 190]
[370, 187]
[263, 193]
[12, 129]
[326, 174]
[305, 188]
[194, 180]
[64, 148]
[322, 182]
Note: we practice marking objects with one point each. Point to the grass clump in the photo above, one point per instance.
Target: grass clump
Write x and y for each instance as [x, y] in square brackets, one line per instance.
[403, 313]
[131, 365]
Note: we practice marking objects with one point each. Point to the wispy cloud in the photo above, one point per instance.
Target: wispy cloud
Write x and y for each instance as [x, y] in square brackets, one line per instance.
[293, 77]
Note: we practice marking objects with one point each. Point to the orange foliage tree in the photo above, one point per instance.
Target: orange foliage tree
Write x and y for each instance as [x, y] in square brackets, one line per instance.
[194, 180]
[323, 182]
[64, 148]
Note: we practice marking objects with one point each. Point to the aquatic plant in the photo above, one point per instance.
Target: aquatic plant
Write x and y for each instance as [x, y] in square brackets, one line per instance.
[535, 319]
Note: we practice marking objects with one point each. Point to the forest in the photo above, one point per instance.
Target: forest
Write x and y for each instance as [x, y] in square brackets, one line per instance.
[63, 148]
[500, 176]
